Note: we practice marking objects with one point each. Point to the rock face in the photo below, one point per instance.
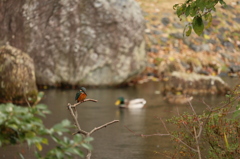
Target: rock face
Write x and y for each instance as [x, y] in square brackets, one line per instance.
[17, 78]
[194, 84]
[86, 42]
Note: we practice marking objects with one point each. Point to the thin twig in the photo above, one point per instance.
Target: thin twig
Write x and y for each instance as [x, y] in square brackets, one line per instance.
[142, 135]
[192, 108]
[164, 125]
[74, 117]
[102, 126]
[200, 129]
[176, 137]
[199, 122]
[197, 143]
[210, 109]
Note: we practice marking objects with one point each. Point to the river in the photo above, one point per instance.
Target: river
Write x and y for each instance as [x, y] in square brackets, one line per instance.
[120, 140]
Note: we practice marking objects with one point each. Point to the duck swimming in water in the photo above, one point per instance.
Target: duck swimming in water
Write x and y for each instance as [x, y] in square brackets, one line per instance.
[131, 104]
[178, 99]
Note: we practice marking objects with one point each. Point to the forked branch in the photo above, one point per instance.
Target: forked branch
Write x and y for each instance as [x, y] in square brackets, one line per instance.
[73, 112]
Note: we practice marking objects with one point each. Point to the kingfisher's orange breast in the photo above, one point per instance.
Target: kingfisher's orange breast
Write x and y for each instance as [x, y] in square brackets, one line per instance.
[81, 97]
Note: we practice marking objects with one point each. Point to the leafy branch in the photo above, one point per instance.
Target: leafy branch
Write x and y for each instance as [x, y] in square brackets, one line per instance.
[198, 10]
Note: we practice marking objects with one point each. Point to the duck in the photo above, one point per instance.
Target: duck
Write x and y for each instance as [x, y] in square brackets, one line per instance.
[178, 99]
[131, 104]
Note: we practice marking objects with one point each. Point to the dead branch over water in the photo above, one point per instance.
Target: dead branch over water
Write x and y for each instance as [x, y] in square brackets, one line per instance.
[73, 112]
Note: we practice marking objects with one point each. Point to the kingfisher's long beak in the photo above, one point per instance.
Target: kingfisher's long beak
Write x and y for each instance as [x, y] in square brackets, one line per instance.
[117, 102]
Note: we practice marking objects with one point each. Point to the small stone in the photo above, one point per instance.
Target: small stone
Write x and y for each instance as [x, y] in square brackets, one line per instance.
[156, 32]
[165, 21]
[228, 44]
[177, 25]
[177, 35]
[164, 39]
[237, 19]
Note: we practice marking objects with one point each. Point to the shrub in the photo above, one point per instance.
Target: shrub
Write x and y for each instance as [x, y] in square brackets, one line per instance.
[23, 124]
[215, 133]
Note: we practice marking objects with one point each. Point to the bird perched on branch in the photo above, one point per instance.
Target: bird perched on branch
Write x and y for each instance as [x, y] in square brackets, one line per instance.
[81, 94]
[134, 103]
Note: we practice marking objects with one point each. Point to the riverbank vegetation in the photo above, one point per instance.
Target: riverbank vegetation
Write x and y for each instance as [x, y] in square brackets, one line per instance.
[215, 133]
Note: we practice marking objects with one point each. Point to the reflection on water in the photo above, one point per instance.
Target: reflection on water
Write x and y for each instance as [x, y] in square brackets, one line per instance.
[116, 141]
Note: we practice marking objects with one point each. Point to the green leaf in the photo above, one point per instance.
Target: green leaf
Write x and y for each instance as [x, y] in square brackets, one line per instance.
[45, 141]
[187, 11]
[208, 18]
[9, 108]
[41, 106]
[76, 151]
[57, 140]
[193, 9]
[39, 146]
[88, 139]
[87, 146]
[22, 157]
[222, 2]
[38, 155]
[198, 25]
[59, 154]
[180, 10]
[236, 114]
[77, 138]
[200, 4]
[189, 31]
[30, 134]
[66, 122]
[40, 94]
[62, 127]
[175, 6]
[13, 126]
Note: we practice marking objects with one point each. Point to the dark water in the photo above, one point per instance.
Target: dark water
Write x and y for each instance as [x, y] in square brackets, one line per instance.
[116, 141]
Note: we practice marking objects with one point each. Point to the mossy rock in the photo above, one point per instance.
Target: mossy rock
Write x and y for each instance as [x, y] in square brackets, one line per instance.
[17, 80]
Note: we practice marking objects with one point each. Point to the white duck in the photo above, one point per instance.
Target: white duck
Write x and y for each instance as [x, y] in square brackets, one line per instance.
[131, 104]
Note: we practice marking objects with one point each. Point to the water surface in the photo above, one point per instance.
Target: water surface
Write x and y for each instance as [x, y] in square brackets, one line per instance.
[120, 140]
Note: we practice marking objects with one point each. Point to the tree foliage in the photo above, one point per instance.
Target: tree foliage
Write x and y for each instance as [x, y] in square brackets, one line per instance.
[200, 12]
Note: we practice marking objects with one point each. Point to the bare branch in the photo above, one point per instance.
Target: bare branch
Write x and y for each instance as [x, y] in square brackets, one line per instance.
[192, 108]
[102, 126]
[176, 137]
[142, 135]
[85, 100]
[210, 109]
[74, 117]
[164, 125]
[197, 143]
[185, 144]
[73, 111]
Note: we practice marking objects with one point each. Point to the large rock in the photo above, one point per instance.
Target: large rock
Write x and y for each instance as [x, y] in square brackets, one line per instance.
[85, 42]
[17, 80]
[194, 84]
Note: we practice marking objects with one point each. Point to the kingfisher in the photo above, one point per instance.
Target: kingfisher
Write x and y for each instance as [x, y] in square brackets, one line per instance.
[81, 94]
